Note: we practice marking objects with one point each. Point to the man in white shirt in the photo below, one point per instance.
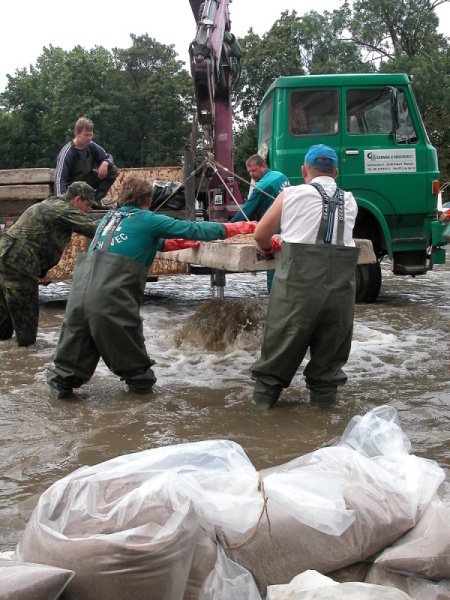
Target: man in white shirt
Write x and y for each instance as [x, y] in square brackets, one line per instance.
[313, 295]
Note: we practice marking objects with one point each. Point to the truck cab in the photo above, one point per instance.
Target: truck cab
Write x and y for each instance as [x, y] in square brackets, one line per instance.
[385, 158]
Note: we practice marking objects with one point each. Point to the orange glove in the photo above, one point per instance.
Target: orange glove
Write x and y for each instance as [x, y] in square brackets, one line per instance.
[240, 227]
[274, 247]
[178, 244]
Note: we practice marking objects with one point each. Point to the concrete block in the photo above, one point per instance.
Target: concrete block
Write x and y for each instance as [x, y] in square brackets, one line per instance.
[241, 254]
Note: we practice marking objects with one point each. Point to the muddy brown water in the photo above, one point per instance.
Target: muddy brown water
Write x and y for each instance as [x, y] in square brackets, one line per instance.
[204, 348]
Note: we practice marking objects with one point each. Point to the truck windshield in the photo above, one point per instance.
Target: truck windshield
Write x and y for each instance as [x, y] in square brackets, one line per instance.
[314, 112]
[369, 111]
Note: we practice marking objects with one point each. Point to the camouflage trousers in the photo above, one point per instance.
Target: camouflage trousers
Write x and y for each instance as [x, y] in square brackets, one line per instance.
[19, 305]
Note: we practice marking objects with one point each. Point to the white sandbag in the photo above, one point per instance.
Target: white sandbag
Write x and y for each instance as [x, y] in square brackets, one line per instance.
[118, 549]
[419, 588]
[425, 550]
[311, 585]
[131, 524]
[228, 581]
[383, 494]
[308, 580]
[22, 581]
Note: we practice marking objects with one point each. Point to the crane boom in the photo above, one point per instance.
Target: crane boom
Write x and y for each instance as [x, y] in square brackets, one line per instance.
[215, 61]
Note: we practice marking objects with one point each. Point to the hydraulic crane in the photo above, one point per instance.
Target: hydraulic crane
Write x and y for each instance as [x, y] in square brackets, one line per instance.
[215, 65]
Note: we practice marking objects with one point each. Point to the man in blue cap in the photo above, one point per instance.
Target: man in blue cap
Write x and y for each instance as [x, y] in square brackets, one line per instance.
[311, 305]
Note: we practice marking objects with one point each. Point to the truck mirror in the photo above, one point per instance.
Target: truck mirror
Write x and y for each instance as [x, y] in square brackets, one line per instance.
[393, 97]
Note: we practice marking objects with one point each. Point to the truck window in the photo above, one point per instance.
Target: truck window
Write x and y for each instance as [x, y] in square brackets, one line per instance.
[314, 112]
[266, 122]
[369, 111]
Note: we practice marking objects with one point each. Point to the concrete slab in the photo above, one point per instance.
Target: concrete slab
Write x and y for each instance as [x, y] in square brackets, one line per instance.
[240, 254]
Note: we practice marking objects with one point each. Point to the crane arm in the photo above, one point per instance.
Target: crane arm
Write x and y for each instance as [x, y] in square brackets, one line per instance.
[215, 62]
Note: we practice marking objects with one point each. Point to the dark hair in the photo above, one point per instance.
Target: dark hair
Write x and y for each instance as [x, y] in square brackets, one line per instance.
[257, 159]
[135, 190]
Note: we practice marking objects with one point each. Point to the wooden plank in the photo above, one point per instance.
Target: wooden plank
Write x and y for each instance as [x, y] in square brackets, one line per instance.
[241, 254]
[26, 176]
[24, 192]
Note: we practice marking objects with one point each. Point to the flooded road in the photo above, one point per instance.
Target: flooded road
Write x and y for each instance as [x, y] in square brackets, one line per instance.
[203, 350]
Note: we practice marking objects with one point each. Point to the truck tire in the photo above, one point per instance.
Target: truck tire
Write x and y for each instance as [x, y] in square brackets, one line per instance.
[368, 282]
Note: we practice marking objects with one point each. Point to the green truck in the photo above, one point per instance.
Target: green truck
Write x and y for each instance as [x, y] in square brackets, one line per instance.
[385, 159]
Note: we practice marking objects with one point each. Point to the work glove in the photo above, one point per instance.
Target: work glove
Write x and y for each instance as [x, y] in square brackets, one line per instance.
[239, 228]
[275, 246]
[178, 244]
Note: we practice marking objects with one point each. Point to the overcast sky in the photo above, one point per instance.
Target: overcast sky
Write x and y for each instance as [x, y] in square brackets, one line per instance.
[28, 26]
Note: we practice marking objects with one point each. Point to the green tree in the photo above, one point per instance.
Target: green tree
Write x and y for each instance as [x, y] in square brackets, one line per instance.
[389, 27]
[155, 105]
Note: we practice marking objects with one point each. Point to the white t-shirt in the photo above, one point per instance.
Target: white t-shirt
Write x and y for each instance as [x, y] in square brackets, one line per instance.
[302, 212]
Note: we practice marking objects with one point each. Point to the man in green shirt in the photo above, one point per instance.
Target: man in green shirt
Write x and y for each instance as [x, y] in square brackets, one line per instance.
[103, 310]
[267, 187]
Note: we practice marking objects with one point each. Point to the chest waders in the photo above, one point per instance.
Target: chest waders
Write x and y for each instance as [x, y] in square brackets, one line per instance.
[311, 306]
[103, 318]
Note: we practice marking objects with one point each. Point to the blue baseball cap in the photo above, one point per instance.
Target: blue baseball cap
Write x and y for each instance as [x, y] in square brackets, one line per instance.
[321, 156]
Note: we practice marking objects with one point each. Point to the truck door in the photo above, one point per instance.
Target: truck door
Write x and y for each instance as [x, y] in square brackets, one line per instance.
[384, 169]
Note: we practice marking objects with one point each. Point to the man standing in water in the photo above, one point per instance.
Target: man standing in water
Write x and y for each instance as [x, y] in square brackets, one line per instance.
[312, 300]
[103, 310]
[268, 185]
[30, 248]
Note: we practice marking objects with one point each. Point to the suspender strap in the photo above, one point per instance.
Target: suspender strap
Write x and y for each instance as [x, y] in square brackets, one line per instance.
[110, 224]
[329, 205]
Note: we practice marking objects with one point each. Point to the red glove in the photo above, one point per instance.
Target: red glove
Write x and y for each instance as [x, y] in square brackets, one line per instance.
[177, 244]
[240, 227]
[274, 247]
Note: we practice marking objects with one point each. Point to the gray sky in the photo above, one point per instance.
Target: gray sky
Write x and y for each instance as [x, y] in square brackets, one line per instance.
[28, 26]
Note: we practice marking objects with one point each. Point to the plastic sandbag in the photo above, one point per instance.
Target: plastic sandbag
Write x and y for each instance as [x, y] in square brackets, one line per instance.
[425, 550]
[138, 515]
[229, 581]
[419, 588]
[121, 539]
[311, 585]
[309, 580]
[22, 581]
[388, 493]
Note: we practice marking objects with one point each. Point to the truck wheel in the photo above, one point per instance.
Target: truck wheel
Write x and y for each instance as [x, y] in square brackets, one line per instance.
[368, 282]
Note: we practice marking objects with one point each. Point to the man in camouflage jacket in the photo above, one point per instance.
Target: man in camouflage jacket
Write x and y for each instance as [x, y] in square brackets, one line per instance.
[32, 246]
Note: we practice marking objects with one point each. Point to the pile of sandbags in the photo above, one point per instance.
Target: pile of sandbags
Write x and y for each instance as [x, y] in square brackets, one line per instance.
[197, 521]
[338, 505]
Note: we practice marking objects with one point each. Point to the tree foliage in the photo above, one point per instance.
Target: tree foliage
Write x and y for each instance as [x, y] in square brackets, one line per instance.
[141, 98]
